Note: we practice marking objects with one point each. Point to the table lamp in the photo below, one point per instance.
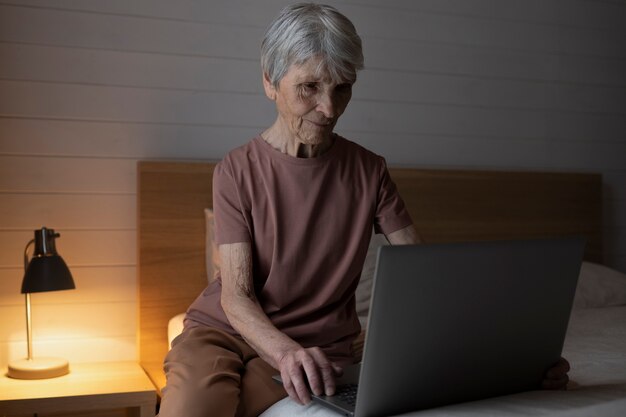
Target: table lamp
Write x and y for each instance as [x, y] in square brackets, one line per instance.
[46, 271]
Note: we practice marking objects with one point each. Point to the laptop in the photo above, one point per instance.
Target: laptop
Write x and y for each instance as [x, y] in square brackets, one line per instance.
[457, 322]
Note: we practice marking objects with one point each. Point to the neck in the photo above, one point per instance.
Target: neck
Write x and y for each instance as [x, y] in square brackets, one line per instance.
[311, 151]
[292, 146]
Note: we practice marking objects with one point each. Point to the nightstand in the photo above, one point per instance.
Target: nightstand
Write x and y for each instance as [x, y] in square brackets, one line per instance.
[89, 387]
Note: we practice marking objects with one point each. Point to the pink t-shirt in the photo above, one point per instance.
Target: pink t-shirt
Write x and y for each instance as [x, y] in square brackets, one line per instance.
[309, 221]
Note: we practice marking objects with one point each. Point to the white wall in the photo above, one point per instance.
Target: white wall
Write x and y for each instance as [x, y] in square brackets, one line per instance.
[89, 87]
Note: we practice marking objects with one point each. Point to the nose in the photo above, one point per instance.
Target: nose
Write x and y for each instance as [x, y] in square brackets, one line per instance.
[326, 105]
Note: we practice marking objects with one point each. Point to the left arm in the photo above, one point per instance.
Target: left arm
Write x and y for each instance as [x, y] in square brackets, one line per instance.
[406, 236]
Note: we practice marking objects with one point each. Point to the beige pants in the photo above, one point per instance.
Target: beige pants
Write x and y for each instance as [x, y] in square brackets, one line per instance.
[211, 373]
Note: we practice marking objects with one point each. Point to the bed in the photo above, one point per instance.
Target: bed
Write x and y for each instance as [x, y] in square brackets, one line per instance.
[175, 262]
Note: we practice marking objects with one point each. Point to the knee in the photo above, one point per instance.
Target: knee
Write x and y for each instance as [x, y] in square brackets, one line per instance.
[210, 396]
[203, 376]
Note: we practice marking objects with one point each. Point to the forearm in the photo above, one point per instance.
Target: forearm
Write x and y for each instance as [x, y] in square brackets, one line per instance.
[242, 308]
[300, 368]
[406, 236]
[247, 317]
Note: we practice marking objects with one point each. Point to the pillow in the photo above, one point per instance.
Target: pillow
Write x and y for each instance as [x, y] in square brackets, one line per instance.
[212, 255]
[599, 286]
[175, 327]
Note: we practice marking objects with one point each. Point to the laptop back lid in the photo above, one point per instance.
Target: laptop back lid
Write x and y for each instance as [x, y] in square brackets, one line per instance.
[457, 322]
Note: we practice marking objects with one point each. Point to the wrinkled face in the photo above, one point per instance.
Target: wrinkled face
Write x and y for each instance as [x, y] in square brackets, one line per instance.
[309, 102]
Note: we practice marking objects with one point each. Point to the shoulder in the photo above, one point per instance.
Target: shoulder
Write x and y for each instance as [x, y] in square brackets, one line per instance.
[358, 154]
[238, 160]
[243, 154]
[357, 149]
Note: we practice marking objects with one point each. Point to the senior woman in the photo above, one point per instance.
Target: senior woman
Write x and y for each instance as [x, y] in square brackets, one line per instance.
[294, 210]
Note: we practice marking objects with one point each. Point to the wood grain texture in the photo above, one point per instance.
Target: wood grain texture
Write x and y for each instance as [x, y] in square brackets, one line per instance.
[88, 387]
[452, 206]
[446, 206]
[172, 272]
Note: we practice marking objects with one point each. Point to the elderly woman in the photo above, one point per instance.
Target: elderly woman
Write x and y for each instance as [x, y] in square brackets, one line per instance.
[294, 210]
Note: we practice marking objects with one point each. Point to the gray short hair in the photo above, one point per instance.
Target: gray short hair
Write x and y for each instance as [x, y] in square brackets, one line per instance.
[306, 30]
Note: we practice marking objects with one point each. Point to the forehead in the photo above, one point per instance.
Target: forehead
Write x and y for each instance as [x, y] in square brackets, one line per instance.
[313, 69]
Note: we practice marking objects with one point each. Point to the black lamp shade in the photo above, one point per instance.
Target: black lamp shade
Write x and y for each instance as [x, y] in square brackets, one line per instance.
[46, 271]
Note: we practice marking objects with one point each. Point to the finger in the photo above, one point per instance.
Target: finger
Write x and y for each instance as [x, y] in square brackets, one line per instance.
[289, 388]
[298, 387]
[560, 369]
[327, 371]
[338, 370]
[312, 372]
[564, 364]
[555, 384]
[301, 387]
[328, 376]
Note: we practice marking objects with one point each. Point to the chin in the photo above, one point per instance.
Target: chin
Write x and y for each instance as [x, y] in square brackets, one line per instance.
[315, 138]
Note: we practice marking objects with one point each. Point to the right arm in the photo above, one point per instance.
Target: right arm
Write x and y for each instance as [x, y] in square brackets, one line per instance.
[246, 315]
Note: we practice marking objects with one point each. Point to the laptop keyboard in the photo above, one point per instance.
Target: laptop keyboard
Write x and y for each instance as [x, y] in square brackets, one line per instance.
[347, 393]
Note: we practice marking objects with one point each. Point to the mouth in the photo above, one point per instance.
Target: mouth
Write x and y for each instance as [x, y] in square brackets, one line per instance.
[321, 124]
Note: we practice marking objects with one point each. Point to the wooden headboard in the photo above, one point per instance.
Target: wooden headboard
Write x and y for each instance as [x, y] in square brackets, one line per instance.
[446, 206]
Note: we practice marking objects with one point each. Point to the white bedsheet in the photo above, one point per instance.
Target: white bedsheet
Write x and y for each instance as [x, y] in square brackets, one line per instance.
[595, 346]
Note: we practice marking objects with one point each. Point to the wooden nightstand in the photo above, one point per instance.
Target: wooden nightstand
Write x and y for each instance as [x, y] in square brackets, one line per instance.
[89, 387]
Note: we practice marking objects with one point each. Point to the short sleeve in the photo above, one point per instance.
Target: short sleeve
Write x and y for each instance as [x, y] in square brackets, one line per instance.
[231, 225]
[391, 213]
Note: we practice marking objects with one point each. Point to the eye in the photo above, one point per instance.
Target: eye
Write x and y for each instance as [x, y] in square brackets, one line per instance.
[307, 89]
[344, 88]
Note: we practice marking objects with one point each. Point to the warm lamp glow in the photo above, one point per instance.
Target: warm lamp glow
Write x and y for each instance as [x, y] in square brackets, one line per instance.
[46, 271]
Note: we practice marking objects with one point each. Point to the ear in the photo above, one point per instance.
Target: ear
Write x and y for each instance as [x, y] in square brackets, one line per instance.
[270, 90]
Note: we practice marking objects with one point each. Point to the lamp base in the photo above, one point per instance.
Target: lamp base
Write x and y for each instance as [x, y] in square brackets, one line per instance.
[38, 368]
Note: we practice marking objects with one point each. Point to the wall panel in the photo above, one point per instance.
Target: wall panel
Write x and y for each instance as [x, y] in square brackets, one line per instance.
[150, 70]
[49, 175]
[118, 140]
[576, 13]
[94, 284]
[68, 211]
[77, 247]
[127, 33]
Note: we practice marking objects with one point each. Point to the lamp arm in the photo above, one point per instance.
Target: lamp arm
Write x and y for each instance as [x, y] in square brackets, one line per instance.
[29, 329]
[29, 326]
[26, 254]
